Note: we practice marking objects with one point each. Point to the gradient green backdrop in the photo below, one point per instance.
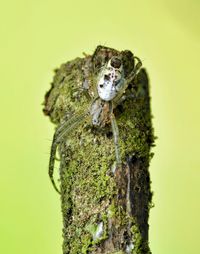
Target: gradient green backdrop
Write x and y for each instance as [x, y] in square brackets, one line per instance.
[39, 35]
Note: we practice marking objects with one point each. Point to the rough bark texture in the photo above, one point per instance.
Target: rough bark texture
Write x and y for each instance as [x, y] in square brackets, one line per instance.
[105, 209]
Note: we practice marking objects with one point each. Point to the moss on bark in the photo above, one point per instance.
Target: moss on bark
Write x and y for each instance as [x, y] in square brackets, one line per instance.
[105, 209]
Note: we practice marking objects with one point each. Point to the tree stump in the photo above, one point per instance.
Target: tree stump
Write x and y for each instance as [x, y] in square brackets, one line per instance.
[105, 208]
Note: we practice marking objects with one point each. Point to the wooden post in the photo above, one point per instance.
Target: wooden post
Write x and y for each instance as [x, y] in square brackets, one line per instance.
[105, 209]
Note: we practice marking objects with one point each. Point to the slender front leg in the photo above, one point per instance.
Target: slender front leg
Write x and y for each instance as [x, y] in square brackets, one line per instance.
[60, 134]
[52, 160]
[115, 131]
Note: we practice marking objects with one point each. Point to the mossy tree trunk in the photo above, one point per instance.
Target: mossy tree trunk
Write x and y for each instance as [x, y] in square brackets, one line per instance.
[105, 209]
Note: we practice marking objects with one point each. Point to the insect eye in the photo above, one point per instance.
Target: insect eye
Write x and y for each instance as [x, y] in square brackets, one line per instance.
[101, 85]
[107, 77]
[115, 62]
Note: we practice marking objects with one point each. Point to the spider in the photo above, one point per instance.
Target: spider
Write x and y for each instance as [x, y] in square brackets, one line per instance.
[110, 86]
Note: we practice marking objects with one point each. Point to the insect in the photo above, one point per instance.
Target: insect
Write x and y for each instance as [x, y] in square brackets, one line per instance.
[109, 88]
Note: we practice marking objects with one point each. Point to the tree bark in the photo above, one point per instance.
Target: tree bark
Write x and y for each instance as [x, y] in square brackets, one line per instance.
[105, 208]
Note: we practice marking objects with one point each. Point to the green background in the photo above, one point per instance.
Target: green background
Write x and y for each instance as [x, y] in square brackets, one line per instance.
[39, 35]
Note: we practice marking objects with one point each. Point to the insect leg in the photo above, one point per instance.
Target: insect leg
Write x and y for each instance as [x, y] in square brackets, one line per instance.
[52, 161]
[115, 131]
[139, 64]
[61, 132]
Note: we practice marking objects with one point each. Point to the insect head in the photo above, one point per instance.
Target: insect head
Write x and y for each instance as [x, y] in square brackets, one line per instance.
[111, 79]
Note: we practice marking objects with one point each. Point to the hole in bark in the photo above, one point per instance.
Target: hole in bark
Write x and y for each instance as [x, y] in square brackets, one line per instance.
[109, 134]
[120, 108]
[137, 189]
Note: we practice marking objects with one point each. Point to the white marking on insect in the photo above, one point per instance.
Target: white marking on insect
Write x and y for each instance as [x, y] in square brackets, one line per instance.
[111, 79]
